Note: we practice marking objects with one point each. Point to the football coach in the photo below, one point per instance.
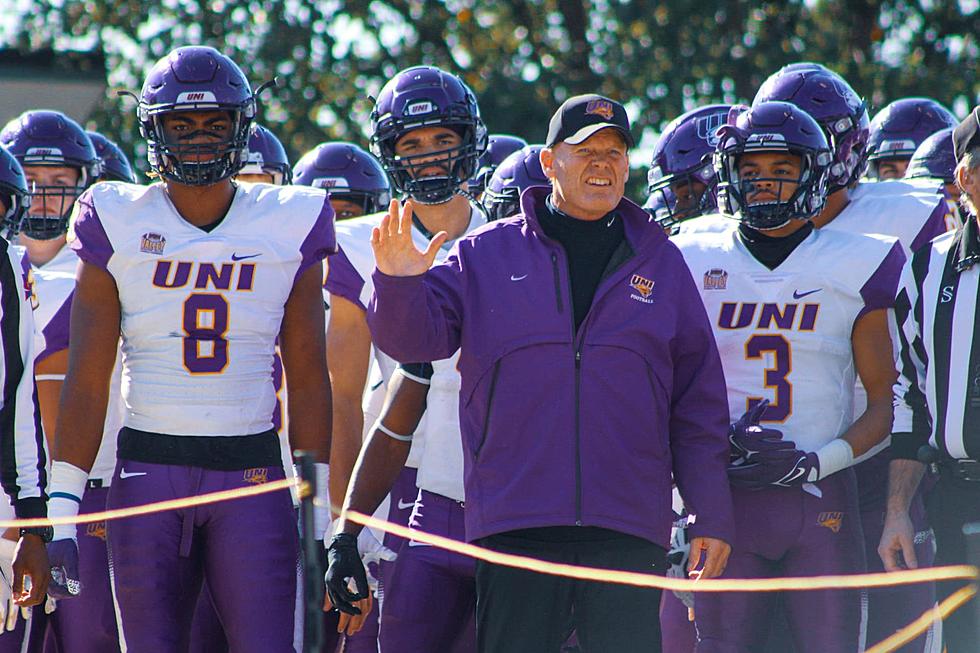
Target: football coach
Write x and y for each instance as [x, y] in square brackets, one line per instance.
[590, 381]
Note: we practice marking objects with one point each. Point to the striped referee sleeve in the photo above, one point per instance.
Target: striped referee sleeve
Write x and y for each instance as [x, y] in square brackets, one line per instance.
[22, 447]
[912, 425]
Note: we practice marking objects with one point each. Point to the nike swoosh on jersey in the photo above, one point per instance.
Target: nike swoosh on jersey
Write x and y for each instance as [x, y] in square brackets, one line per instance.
[236, 257]
[516, 278]
[800, 295]
[124, 474]
[414, 543]
[404, 505]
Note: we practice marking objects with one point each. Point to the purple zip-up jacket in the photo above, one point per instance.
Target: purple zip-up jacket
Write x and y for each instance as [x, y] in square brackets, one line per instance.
[563, 428]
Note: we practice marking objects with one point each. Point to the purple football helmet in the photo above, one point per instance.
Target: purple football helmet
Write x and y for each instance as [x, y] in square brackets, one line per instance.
[267, 156]
[115, 165]
[196, 78]
[14, 192]
[835, 106]
[50, 138]
[425, 96]
[934, 158]
[347, 172]
[499, 147]
[681, 172]
[772, 127]
[901, 127]
[519, 171]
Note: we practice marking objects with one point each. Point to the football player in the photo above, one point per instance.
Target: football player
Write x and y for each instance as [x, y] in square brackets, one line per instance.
[355, 180]
[199, 276]
[898, 129]
[428, 135]
[912, 212]
[681, 173]
[24, 478]
[358, 185]
[499, 147]
[789, 329]
[934, 159]
[267, 163]
[60, 161]
[267, 160]
[115, 165]
[519, 171]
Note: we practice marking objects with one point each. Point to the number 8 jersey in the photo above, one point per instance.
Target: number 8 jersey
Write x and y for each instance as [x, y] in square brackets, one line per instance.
[785, 334]
[201, 311]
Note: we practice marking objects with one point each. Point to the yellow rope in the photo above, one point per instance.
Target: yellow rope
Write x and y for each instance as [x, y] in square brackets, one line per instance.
[920, 625]
[849, 581]
[162, 506]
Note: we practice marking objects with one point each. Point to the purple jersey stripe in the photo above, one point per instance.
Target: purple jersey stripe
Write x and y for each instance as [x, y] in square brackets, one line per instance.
[343, 279]
[880, 289]
[87, 235]
[321, 242]
[933, 227]
[56, 330]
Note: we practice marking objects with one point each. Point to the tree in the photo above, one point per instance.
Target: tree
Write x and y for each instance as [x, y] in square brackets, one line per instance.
[522, 57]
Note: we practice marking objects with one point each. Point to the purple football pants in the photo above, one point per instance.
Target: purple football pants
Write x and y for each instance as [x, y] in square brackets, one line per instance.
[677, 632]
[87, 623]
[28, 636]
[246, 549]
[430, 595]
[790, 532]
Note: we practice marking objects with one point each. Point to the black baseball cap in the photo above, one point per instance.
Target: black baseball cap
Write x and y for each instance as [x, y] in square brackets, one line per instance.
[583, 115]
[966, 135]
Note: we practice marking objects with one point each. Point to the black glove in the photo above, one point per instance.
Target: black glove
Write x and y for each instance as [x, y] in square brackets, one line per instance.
[343, 564]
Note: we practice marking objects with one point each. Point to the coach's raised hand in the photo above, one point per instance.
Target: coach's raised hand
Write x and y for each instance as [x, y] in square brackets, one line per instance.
[394, 251]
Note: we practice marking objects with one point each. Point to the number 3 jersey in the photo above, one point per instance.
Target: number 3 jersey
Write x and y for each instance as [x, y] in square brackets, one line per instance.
[785, 334]
[201, 311]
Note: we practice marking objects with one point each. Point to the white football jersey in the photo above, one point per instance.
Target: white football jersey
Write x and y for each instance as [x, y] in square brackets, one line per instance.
[349, 276]
[710, 223]
[912, 212]
[201, 310]
[785, 334]
[54, 283]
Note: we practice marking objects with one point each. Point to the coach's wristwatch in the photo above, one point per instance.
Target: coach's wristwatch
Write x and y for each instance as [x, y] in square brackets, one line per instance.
[46, 533]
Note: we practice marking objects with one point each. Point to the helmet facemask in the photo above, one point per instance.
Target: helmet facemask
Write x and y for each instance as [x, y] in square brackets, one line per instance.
[197, 164]
[58, 199]
[804, 202]
[407, 172]
[682, 196]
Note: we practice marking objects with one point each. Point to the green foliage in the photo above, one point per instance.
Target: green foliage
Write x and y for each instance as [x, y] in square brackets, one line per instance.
[522, 58]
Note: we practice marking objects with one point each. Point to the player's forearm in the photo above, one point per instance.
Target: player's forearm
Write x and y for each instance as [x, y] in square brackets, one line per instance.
[871, 428]
[379, 464]
[310, 420]
[81, 417]
[904, 477]
[348, 425]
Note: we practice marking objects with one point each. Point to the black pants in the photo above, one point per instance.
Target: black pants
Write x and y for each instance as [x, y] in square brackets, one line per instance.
[952, 504]
[520, 611]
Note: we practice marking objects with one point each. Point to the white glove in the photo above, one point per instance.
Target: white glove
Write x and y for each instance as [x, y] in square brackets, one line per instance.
[372, 550]
[677, 557]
